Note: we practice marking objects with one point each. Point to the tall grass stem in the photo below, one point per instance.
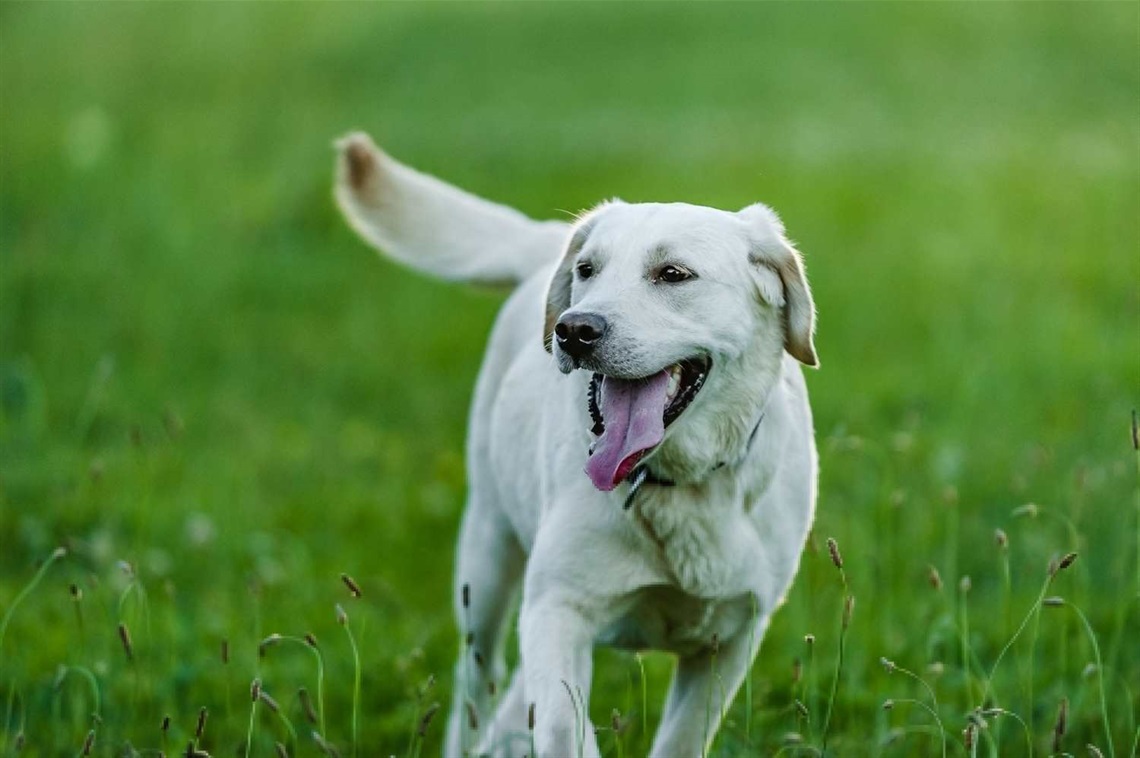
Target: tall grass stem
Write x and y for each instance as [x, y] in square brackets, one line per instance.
[355, 686]
[644, 696]
[1099, 676]
[56, 555]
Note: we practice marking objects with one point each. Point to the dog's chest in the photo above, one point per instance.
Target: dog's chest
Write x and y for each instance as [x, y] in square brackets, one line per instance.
[703, 542]
[707, 550]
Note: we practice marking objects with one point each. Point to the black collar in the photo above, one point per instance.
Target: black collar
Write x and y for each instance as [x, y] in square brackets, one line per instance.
[642, 475]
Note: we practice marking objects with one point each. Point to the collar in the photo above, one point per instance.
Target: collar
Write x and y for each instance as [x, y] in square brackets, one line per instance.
[642, 475]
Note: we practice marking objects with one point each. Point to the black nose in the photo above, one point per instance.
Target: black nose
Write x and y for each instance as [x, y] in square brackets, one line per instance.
[578, 333]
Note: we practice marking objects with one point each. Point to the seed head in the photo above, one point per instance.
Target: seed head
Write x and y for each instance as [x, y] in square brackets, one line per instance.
[968, 735]
[530, 717]
[1001, 539]
[616, 721]
[1053, 602]
[801, 708]
[165, 726]
[201, 723]
[965, 585]
[125, 638]
[936, 669]
[326, 747]
[311, 640]
[270, 703]
[1061, 725]
[888, 705]
[425, 720]
[809, 640]
[934, 577]
[833, 549]
[349, 582]
[1066, 561]
[307, 705]
[88, 743]
[341, 616]
[76, 592]
[1094, 751]
[1029, 510]
[281, 751]
[888, 665]
[255, 690]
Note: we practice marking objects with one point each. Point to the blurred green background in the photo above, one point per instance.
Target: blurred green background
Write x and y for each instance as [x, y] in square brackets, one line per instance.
[205, 374]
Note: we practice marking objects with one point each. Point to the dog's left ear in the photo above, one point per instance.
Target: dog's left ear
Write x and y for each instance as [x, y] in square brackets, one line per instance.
[558, 294]
[772, 250]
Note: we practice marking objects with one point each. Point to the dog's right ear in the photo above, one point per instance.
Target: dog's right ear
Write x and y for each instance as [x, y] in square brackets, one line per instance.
[558, 294]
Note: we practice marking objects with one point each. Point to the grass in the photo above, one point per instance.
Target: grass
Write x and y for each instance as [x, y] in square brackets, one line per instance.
[204, 374]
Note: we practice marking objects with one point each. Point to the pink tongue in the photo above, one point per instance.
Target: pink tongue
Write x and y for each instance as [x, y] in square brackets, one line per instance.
[634, 415]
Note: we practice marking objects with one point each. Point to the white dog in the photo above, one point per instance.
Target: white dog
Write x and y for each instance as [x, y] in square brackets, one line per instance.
[658, 498]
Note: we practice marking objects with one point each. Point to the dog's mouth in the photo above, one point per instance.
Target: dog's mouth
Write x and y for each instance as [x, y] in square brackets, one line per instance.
[630, 416]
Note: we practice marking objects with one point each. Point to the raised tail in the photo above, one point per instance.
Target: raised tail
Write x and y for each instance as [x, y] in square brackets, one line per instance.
[435, 227]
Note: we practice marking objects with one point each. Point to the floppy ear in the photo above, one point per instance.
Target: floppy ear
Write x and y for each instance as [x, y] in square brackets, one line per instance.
[772, 250]
[558, 295]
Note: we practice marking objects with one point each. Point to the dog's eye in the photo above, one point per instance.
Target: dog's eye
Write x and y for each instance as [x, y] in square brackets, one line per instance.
[585, 270]
[674, 274]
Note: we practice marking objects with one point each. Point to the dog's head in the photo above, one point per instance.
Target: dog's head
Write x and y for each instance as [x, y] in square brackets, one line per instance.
[681, 313]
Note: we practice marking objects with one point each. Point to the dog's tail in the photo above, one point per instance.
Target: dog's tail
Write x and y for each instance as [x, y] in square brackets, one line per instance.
[435, 227]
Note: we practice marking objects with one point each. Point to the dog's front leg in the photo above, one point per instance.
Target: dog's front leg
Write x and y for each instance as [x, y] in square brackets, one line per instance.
[556, 641]
[703, 688]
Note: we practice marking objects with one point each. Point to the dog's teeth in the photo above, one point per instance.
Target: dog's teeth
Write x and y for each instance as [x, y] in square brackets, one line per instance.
[674, 383]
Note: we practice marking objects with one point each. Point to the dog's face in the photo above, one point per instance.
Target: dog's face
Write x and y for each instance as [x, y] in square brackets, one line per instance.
[666, 304]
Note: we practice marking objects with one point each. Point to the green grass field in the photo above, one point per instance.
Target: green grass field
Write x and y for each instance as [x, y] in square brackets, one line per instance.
[204, 374]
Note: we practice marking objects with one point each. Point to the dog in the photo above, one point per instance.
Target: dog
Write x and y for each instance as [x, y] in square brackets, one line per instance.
[641, 459]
